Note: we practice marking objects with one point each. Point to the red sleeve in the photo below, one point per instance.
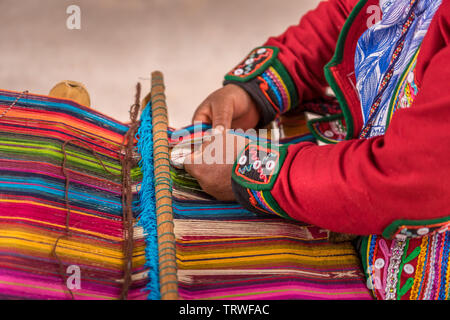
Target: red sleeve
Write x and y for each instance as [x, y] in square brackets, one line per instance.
[306, 48]
[362, 186]
[289, 69]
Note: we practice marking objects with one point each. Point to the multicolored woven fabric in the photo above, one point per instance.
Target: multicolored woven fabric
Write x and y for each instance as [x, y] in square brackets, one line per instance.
[40, 242]
[52, 149]
[226, 252]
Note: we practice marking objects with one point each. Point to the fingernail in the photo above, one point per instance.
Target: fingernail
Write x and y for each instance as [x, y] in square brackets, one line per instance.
[219, 129]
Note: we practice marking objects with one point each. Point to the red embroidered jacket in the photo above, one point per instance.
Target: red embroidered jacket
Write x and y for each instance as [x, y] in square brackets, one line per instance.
[393, 184]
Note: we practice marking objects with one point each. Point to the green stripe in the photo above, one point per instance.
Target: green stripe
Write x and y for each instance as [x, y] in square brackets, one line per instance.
[57, 156]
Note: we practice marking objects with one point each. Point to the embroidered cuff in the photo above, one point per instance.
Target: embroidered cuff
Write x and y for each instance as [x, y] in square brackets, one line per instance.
[403, 229]
[254, 175]
[267, 81]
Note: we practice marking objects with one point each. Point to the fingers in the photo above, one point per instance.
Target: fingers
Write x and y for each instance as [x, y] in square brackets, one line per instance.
[222, 115]
[217, 109]
[191, 164]
[203, 113]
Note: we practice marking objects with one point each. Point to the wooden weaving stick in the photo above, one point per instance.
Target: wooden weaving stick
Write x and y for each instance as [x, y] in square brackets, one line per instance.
[163, 195]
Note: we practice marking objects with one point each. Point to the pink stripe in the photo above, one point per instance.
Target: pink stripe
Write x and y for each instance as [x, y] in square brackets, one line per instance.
[50, 283]
[258, 292]
[45, 214]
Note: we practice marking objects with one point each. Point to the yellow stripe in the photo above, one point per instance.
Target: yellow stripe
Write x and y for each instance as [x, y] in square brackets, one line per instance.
[261, 250]
[405, 75]
[369, 269]
[37, 243]
[419, 269]
[66, 247]
[217, 260]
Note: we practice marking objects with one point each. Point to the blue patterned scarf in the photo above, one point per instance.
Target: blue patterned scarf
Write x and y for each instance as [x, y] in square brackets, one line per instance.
[375, 48]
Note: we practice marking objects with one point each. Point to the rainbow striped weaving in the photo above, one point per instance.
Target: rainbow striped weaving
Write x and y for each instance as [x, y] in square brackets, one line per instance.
[226, 252]
[36, 250]
[61, 207]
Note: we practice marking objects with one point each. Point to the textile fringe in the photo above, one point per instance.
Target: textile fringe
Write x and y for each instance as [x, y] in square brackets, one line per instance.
[147, 215]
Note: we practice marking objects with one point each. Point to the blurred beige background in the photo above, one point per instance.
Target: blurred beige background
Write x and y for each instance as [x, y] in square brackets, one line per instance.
[193, 42]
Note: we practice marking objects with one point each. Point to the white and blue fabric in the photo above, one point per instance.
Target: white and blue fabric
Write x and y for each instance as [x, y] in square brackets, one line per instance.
[375, 49]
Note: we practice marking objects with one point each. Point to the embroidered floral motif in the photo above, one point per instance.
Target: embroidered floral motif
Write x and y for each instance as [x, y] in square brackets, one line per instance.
[257, 164]
[254, 175]
[253, 65]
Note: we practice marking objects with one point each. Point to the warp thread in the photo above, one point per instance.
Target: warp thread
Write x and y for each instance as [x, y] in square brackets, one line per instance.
[127, 196]
[67, 231]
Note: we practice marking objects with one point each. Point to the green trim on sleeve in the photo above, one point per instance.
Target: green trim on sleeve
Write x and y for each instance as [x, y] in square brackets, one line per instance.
[415, 228]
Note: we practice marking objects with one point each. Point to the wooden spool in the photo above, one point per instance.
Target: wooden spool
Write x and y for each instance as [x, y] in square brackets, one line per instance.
[73, 90]
[163, 195]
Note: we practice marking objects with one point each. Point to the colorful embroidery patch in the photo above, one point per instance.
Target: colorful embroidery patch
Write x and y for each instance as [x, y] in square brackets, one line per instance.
[416, 229]
[257, 166]
[330, 129]
[254, 175]
[253, 65]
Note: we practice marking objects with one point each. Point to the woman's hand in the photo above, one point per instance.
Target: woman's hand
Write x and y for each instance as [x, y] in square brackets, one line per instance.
[212, 165]
[229, 107]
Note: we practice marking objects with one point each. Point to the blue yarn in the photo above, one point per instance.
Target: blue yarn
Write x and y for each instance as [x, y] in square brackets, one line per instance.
[147, 216]
[275, 90]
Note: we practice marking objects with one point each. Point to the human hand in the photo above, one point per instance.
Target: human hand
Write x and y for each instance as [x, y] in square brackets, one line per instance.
[230, 107]
[213, 164]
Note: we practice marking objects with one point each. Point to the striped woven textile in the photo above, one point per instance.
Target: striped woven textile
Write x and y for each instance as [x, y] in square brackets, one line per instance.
[61, 210]
[226, 252]
[38, 253]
